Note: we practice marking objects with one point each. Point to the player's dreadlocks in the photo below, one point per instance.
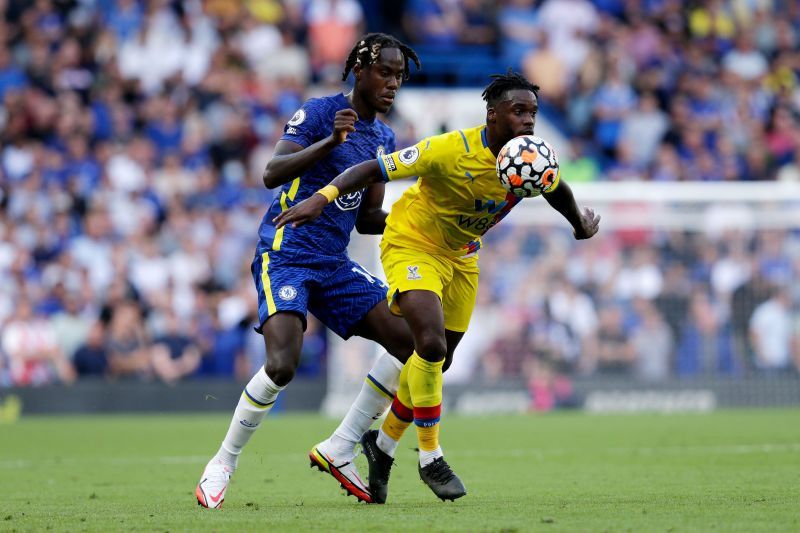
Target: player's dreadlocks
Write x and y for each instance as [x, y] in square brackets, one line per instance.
[368, 49]
[509, 81]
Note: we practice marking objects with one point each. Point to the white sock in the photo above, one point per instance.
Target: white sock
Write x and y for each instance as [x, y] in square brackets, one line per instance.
[256, 401]
[375, 397]
[386, 443]
[426, 458]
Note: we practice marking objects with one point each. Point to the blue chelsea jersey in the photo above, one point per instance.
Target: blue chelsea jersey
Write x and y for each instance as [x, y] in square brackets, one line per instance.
[330, 233]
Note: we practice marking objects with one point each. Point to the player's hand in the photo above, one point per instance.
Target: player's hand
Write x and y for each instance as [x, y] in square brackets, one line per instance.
[589, 224]
[302, 213]
[343, 123]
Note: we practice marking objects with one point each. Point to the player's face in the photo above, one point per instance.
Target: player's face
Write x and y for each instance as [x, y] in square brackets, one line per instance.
[378, 83]
[516, 115]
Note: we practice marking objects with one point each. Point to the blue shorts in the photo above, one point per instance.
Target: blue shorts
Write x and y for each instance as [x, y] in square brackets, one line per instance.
[337, 290]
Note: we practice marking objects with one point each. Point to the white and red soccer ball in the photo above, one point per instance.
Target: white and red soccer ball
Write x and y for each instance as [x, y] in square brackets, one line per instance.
[527, 166]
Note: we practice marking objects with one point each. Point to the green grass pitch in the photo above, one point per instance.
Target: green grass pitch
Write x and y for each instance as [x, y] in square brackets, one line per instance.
[726, 471]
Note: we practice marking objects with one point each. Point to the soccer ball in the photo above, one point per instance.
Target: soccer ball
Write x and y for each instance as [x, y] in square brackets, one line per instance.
[527, 166]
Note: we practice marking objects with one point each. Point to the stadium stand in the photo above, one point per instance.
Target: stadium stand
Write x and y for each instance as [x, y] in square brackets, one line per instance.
[133, 136]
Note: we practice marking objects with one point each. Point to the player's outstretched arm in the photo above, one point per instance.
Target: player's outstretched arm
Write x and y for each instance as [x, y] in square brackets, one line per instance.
[291, 159]
[584, 223]
[353, 179]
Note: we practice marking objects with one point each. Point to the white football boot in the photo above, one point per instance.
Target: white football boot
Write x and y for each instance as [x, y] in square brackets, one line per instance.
[213, 484]
[345, 472]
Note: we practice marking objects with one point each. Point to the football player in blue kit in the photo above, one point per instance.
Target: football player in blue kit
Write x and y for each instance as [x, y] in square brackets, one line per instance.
[307, 268]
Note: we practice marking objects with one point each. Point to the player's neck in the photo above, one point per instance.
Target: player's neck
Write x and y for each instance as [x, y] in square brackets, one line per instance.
[493, 142]
[364, 111]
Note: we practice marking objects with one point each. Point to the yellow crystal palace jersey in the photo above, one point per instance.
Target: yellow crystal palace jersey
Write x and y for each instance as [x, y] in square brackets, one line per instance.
[456, 199]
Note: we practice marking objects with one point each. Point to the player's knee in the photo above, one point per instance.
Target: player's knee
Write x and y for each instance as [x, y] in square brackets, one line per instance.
[280, 372]
[432, 347]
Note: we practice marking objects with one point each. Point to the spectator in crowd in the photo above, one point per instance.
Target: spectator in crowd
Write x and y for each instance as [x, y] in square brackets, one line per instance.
[127, 343]
[71, 324]
[652, 343]
[706, 345]
[91, 358]
[435, 23]
[613, 101]
[640, 277]
[174, 354]
[506, 356]
[744, 301]
[643, 129]
[34, 357]
[745, 61]
[612, 353]
[569, 24]
[479, 27]
[333, 25]
[772, 336]
[519, 31]
[548, 388]
[573, 308]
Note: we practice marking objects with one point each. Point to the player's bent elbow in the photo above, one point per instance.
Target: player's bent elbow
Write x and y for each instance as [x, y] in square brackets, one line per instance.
[270, 179]
[274, 175]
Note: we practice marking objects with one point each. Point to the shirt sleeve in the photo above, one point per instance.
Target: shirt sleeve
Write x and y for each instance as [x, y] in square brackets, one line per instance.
[422, 159]
[306, 125]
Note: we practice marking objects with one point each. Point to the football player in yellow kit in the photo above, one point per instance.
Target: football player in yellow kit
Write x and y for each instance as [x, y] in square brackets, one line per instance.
[429, 253]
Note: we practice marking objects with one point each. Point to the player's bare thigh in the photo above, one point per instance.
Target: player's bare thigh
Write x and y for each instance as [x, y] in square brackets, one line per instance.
[388, 330]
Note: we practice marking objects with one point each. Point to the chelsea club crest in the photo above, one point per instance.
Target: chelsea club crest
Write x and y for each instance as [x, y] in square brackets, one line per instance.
[349, 201]
[287, 292]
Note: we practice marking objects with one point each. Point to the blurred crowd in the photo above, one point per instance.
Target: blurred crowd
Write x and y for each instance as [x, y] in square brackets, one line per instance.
[665, 89]
[133, 135]
[654, 89]
[637, 304]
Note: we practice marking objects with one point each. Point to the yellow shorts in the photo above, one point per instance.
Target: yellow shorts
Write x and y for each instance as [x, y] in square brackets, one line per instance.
[455, 281]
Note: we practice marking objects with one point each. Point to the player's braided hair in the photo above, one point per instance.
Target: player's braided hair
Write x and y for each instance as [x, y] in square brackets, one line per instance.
[368, 49]
[509, 81]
